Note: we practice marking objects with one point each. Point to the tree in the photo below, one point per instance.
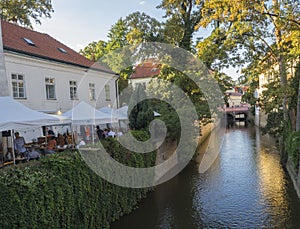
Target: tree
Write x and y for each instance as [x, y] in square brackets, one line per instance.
[139, 112]
[297, 76]
[262, 31]
[117, 36]
[22, 11]
[183, 16]
[94, 50]
[132, 30]
[142, 28]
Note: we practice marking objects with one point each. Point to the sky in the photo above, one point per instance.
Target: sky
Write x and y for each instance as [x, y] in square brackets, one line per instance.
[76, 23]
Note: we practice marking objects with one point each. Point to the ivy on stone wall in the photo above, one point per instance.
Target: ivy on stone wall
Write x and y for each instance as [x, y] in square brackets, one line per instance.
[292, 144]
[60, 191]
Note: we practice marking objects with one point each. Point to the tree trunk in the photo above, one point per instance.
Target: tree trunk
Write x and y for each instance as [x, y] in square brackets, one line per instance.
[297, 74]
[186, 41]
[281, 60]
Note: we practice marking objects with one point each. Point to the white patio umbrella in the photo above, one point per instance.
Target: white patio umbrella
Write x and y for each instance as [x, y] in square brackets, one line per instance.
[110, 111]
[85, 114]
[15, 115]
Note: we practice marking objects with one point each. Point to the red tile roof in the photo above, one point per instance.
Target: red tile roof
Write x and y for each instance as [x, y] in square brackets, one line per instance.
[145, 70]
[45, 46]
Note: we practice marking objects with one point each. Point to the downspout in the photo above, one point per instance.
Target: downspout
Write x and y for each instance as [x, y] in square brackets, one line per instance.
[117, 89]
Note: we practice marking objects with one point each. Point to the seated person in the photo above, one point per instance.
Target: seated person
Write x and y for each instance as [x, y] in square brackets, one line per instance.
[8, 156]
[81, 143]
[61, 142]
[33, 154]
[50, 132]
[100, 133]
[19, 144]
[69, 140]
[51, 146]
[110, 133]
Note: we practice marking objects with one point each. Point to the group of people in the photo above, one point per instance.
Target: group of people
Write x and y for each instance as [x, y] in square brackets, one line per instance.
[21, 151]
[106, 133]
[53, 144]
[61, 142]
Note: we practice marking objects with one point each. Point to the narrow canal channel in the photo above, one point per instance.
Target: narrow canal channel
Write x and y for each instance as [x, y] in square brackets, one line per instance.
[246, 187]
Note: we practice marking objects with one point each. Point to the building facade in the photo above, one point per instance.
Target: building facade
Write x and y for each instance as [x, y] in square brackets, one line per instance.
[46, 75]
[144, 73]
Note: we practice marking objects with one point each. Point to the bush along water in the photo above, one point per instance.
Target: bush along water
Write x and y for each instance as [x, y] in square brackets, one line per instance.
[61, 191]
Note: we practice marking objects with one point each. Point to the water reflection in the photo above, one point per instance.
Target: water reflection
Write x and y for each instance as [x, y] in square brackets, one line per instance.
[244, 188]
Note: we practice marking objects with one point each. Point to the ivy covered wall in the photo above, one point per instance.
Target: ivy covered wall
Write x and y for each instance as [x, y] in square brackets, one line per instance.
[60, 191]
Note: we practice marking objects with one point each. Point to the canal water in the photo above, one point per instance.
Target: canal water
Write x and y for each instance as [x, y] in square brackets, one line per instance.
[245, 187]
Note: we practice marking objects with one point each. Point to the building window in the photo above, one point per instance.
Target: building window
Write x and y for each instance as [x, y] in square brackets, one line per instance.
[107, 93]
[92, 92]
[18, 86]
[73, 90]
[50, 88]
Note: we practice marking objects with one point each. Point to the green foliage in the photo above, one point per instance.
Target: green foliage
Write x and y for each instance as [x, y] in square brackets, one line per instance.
[60, 191]
[275, 124]
[292, 146]
[141, 27]
[249, 95]
[259, 34]
[95, 50]
[23, 11]
[182, 17]
[186, 84]
[170, 119]
[126, 157]
[140, 114]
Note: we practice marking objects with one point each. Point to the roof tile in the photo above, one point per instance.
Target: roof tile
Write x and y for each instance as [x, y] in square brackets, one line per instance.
[146, 69]
[45, 46]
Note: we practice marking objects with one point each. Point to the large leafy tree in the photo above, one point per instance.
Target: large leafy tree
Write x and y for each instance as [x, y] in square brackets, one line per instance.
[142, 28]
[182, 17]
[132, 30]
[22, 11]
[94, 50]
[252, 31]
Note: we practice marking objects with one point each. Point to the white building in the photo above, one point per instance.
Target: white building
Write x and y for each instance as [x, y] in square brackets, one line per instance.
[266, 77]
[46, 75]
[144, 72]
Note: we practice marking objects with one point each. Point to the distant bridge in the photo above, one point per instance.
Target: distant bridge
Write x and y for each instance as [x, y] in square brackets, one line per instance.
[237, 113]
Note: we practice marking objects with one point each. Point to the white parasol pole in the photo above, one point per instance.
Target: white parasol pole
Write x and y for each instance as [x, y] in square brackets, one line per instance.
[13, 146]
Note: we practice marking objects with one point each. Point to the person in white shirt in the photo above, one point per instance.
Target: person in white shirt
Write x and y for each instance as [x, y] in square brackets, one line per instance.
[111, 133]
[33, 154]
[81, 143]
[19, 145]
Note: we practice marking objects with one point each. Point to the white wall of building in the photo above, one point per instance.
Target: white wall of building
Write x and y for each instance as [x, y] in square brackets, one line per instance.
[35, 71]
[142, 81]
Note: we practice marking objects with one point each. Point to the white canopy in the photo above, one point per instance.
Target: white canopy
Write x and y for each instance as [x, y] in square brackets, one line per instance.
[107, 110]
[122, 113]
[85, 114]
[15, 115]
[110, 111]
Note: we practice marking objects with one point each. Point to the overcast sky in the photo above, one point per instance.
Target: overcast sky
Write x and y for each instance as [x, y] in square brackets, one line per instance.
[76, 23]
